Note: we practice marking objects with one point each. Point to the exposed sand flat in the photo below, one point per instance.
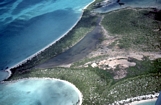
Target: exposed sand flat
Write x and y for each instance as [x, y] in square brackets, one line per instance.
[113, 63]
[136, 56]
[116, 56]
[119, 58]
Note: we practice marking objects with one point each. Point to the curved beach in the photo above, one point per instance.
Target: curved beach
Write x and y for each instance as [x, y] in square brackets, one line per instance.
[38, 52]
[41, 50]
[45, 91]
[105, 80]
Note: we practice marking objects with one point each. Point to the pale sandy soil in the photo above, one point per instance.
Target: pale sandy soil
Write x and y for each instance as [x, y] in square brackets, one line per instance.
[116, 52]
[116, 57]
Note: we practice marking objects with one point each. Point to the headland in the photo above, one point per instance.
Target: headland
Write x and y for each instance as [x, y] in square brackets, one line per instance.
[125, 63]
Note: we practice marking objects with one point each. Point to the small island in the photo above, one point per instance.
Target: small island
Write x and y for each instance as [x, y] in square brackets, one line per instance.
[112, 57]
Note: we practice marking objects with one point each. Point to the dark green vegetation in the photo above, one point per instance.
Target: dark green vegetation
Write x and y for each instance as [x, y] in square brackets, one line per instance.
[85, 25]
[98, 86]
[136, 29]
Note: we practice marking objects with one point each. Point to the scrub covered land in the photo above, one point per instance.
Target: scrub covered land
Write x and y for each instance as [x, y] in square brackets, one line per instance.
[132, 31]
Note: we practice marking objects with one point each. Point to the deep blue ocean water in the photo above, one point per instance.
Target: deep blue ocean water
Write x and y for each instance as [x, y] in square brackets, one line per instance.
[27, 26]
[3, 75]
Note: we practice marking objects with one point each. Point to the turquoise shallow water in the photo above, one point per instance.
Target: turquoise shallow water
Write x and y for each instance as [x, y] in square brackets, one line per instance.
[28, 26]
[147, 103]
[40, 91]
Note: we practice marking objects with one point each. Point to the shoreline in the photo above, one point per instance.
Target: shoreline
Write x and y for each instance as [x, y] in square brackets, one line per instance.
[49, 45]
[87, 5]
[143, 101]
[9, 73]
[138, 99]
[43, 49]
[123, 6]
[80, 95]
[76, 52]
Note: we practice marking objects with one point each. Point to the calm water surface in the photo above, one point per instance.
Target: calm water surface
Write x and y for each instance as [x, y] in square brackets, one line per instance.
[27, 26]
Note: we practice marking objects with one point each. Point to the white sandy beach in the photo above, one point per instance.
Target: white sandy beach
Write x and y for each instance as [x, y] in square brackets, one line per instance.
[137, 100]
[30, 57]
[54, 81]
[38, 52]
